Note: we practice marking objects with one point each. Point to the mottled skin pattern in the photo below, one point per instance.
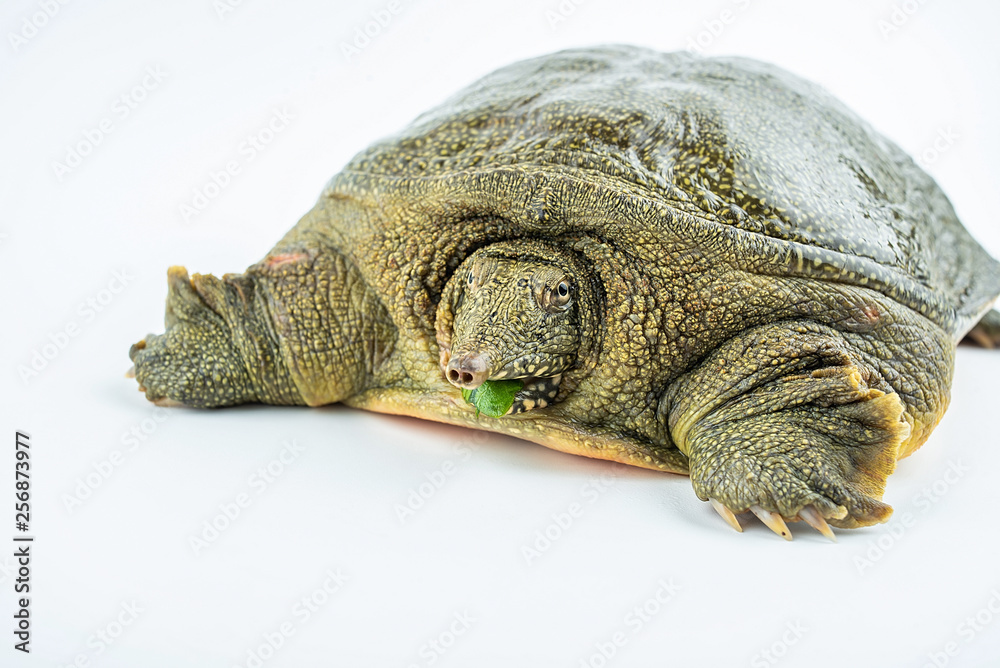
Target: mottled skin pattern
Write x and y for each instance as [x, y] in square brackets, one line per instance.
[718, 268]
[517, 315]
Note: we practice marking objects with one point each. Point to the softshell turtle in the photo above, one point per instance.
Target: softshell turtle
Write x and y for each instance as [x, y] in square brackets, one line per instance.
[706, 266]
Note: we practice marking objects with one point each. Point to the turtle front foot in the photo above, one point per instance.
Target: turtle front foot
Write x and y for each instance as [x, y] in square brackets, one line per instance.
[785, 423]
[195, 362]
[822, 459]
[775, 522]
[216, 350]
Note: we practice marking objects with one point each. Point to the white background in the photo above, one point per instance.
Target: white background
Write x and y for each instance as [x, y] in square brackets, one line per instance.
[893, 595]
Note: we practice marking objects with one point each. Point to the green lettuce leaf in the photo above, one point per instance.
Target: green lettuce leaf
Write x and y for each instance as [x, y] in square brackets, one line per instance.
[493, 397]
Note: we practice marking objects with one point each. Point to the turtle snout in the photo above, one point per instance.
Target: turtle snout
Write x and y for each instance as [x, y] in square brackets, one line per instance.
[468, 370]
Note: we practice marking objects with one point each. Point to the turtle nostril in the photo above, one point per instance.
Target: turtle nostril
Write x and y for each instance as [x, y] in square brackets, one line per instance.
[467, 370]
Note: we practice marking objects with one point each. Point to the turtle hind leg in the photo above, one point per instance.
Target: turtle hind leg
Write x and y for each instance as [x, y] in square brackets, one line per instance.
[986, 333]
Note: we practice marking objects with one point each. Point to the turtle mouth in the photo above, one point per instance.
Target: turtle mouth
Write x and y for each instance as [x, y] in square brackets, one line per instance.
[532, 367]
[468, 370]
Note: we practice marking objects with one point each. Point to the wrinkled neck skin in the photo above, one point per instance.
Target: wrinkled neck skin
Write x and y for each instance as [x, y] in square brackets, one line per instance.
[501, 316]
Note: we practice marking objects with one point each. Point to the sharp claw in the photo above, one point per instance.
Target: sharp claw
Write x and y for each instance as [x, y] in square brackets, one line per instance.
[816, 521]
[169, 403]
[131, 372]
[726, 514]
[773, 522]
[840, 514]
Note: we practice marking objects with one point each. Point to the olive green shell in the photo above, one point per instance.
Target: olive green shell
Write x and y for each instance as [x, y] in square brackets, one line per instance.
[802, 185]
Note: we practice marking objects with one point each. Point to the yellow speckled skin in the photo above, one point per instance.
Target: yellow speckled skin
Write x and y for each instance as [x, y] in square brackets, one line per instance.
[767, 293]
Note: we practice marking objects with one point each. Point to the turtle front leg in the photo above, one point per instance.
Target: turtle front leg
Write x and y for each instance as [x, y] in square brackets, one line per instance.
[218, 348]
[300, 327]
[791, 422]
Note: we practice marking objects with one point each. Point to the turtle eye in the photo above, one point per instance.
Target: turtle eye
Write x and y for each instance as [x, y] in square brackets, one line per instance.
[558, 297]
[472, 278]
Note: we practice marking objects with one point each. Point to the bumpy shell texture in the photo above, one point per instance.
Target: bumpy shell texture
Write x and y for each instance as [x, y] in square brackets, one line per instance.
[804, 186]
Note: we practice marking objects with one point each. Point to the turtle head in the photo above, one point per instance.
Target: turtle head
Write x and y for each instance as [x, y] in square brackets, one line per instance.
[512, 310]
